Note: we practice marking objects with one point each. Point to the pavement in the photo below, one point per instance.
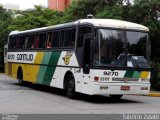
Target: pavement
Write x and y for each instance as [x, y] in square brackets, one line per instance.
[153, 93]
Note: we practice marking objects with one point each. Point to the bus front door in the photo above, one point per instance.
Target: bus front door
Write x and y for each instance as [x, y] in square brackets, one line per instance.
[86, 53]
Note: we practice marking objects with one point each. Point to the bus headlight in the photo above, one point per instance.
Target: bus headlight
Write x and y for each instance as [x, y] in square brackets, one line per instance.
[104, 79]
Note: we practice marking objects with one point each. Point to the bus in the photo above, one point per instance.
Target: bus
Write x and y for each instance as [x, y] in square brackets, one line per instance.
[89, 56]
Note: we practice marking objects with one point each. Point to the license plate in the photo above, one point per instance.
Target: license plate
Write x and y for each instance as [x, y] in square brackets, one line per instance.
[125, 87]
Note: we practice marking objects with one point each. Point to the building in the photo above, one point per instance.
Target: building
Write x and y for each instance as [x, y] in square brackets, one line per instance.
[58, 4]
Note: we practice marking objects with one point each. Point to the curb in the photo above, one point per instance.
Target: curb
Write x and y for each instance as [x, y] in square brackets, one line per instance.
[154, 94]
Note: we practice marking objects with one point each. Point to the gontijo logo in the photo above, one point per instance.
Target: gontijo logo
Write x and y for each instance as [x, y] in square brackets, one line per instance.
[66, 58]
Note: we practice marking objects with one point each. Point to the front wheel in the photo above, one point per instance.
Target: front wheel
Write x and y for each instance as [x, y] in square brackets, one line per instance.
[70, 87]
[20, 78]
[116, 96]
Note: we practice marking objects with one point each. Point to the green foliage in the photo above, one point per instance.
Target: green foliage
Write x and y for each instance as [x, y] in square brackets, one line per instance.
[110, 12]
[5, 20]
[38, 17]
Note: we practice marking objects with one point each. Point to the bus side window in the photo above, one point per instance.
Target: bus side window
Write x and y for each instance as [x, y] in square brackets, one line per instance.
[37, 41]
[21, 42]
[26, 41]
[42, 40]
[68, 38]
[49, 40]
[12, 42]
[55, 39]
[31, 41]
[62, 38]
[83, 30]
[17, 42]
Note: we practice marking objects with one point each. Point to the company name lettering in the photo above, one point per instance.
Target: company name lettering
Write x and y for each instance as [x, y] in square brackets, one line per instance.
[25, 57]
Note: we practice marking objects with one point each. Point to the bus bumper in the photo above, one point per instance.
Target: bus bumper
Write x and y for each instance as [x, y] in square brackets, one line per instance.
[120, 88]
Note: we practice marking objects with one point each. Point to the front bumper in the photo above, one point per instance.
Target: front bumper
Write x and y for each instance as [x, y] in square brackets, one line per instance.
[115, 88]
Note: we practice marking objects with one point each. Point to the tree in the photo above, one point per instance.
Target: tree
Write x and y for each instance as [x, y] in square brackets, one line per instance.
[34, 18]
[5, 19]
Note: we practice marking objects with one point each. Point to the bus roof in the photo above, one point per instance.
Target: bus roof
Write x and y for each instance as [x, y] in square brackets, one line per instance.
[103, 23]
[112, 23]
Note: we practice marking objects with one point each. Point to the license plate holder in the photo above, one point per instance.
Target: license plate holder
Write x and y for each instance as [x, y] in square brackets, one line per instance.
[125, 87]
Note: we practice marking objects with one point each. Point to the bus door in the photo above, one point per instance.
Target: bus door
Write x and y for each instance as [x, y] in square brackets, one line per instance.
[86, 63]
[83, 56]
[86, 53]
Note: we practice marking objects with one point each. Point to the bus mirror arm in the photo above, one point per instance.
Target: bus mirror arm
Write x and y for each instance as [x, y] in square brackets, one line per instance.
[86, 69]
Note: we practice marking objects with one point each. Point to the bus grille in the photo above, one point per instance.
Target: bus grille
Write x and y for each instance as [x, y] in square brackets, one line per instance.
[125, 79]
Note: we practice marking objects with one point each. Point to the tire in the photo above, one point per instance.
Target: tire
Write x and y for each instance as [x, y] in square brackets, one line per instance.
[20, 78]
[116, 96]
[70, 87]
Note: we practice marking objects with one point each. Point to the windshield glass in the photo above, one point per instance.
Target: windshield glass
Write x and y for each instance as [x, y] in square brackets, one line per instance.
[120, 48]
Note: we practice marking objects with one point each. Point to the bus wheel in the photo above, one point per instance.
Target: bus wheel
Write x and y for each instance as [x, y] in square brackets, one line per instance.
[116, 96]
[70, 87]
[20, 77]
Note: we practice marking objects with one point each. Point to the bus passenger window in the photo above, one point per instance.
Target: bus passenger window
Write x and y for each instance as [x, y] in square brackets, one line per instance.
[31, 41]
[12, 43]
[26, 42]
[55, 39]
[17, 42]
[49, 38]
[37, 41]
[68, 38]
[42, 40]
[22, 42]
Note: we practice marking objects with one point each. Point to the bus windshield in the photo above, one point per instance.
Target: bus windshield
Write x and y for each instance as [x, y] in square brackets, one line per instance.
[120, 48]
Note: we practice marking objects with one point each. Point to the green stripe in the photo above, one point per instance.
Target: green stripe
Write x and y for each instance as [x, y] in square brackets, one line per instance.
[43, 69]
[129, 74]
[51, 69]
[136, 74]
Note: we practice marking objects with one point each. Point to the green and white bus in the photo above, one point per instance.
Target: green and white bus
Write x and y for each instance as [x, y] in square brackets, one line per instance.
[90, 56]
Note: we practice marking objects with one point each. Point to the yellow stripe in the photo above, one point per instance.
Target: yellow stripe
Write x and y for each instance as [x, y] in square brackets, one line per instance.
[35, 68]
[39, 57]
[144, 75]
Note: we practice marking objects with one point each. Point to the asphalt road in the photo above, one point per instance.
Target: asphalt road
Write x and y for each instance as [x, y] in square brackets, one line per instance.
[36, 99]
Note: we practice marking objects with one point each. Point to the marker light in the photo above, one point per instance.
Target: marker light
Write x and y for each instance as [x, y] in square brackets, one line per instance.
[96, 78]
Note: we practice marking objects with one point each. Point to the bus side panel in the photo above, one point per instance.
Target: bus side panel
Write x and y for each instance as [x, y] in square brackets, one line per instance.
[14, 69]
[30, 72]
[6, 68]
[67, 62]
[47, 68]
